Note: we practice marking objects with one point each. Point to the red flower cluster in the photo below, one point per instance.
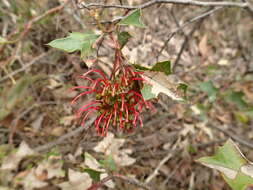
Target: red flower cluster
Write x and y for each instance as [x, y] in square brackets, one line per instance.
[118, 101]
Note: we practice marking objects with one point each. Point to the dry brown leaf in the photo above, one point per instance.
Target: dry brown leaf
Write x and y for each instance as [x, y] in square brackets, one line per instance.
[77, 181]
[11, 162]
[111, 146]
[52, 166]
[31, 181]
[92, 163]
[203, 47]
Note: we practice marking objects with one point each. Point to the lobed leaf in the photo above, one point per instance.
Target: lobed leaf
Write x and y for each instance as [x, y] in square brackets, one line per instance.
[76, 42]
[133, 19]
[232, 164]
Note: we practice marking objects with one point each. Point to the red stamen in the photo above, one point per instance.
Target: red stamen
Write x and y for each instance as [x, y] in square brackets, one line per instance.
[79, 113]
[122, 102]
[115, 113]
[82, 94]
[86, 78]
[78, 87]
[85, 117]
[121, 120]
[91, 103]
[97, 122]
[138, 78]
[126, 110]
[104, 126]
[95, 71]
[108, 122]
[141, 123]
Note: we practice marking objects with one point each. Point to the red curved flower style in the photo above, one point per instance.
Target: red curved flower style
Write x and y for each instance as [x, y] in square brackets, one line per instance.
[118, 101]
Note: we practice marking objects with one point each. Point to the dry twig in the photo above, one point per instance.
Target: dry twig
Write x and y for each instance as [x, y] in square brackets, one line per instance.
[63, 138]
[183, 2]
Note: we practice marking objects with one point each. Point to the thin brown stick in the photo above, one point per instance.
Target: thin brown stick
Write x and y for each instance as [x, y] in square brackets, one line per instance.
[21, 115]
[184, 44]
[32, 62]
[124, 178]
[63, 138]
[184, 2]
[197, 18]
[235, 137]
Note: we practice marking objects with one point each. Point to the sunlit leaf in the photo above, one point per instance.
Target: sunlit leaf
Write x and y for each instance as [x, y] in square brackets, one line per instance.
[76, 42]
[210, 89]
[133, 19]
[232, 164]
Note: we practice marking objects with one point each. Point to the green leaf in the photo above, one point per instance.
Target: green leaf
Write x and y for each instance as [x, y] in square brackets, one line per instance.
[164, 67]
[232, 164]
[141, 68]
[95, 175]
[123, 38]
[210, 89]
[109, 163]
[237, 98]
[146, 92]
[183, 87]
[76, 42]
[241, 117]
[133, 19]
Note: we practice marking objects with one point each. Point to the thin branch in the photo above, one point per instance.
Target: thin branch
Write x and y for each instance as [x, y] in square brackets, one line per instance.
[163, 161]
[32, 62]
[184, 2]
[235, 137]
[21, 115]
[197, 18]
[63, 138]
[184, 44]
[124, 178]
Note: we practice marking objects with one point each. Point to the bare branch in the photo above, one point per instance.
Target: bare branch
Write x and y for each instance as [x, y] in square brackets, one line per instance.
[197, 18]
[124, 178]
[184, 2]
[63, 138]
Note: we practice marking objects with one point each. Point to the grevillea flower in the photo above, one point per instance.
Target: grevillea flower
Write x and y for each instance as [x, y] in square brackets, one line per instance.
[117, 102]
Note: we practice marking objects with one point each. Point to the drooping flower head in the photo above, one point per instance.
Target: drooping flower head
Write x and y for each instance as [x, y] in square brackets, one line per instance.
[117, 102]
